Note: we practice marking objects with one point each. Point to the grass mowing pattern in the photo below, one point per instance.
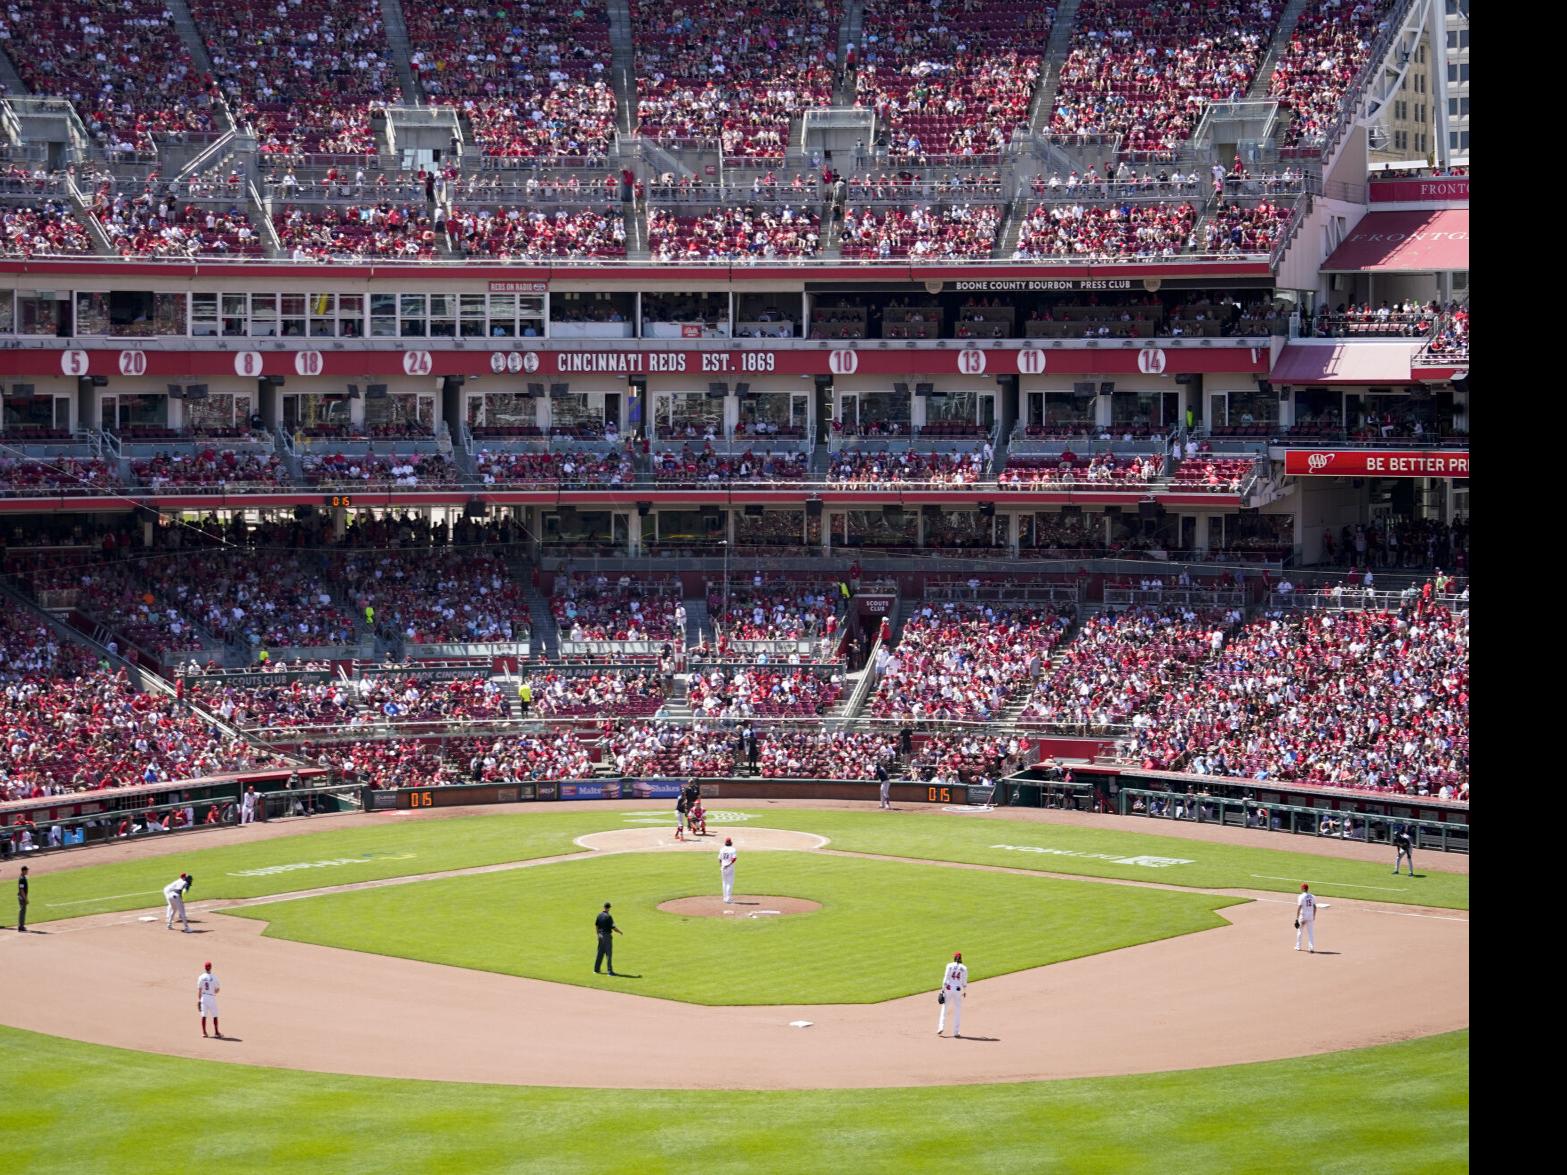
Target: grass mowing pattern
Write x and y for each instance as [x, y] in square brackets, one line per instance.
[466, 841]
[1395, 1108]
[392, 850]
[884, 928]
[1213, 866]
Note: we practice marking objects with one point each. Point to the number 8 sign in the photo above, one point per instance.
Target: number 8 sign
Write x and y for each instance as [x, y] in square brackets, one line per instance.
[248, 363]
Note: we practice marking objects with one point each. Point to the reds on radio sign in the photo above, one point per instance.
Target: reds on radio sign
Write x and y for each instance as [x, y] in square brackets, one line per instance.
[1150, 361]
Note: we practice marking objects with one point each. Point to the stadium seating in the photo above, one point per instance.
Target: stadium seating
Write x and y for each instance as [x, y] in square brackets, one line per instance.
[733, 234]
[516, 233]
[959, 230]
[1330, 46]
[43, 229]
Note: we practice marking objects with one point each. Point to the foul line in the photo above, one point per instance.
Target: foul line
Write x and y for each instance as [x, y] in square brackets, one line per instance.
[141, 893]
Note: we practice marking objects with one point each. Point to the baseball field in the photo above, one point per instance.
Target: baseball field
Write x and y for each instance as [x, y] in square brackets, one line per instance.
[414, 992]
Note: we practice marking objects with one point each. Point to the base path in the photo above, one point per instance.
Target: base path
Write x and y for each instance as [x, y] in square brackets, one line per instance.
[1234, 994]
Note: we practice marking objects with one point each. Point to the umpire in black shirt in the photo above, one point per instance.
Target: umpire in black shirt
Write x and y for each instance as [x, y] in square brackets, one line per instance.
[605, 925]
[21, 900]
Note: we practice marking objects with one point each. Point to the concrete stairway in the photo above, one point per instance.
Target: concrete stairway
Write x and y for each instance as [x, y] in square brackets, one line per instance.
[10, 79]
[1281, 38]
[546, 636]
[397, 39]
[1056, 50]
[851, 31]
[623, 66]
[185, 25]
[698, 623]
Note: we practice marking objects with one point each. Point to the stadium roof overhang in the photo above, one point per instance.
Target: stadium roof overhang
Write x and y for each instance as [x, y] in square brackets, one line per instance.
[1429, 241]
[1341, 362]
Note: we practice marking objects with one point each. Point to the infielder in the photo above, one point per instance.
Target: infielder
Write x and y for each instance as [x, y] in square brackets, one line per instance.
[207, 1000]
[174, 899]
[726, 867]
[1406, 851]
[954, 981]
[1306, 918]
[247, 806]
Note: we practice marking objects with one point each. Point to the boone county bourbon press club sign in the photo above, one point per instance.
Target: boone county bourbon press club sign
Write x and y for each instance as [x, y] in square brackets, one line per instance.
[1374, 463]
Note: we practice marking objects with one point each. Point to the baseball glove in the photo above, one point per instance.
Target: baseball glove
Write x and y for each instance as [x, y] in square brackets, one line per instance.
[1297, 924]
[941, 997]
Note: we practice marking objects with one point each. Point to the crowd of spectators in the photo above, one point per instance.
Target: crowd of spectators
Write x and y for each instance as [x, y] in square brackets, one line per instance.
[951, 80]
[582, 468]
[763, 691]
[1107, 230]
[594, 607]
[209, 468]
[1143, 70]
[1330, 45]
[57, 475]
[358, 470]
[141, 226]
[762, 611]
[532, 81]
[1400, 542]
[306, 74]
[120, 62]
[1405, 319]
[952, 759]
[1120, 663]
[518, 233]
[1107, 470]
[613, 693]
[735, 73]
[68, 724]
[948, 231]
[370, 230]
[735, 234]
[1367, 700]
[689, 467]
[963, 661]
[864, 468]
[456, 595]
[665, 751]
[42, 229]
[822, 754]
[1245, 228]
[1450, 336]
[1217, 475]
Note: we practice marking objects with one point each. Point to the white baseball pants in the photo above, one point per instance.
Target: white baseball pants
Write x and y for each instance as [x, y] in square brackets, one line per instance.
[176, 910]
[954, 1004]
[1308, 927]
[728, 876]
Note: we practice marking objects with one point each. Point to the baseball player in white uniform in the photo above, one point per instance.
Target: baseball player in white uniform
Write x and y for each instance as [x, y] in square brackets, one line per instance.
[1306, 918]
[174, 900]
[247, 806]
[726, 867]
[954, 981]
[207, 1000]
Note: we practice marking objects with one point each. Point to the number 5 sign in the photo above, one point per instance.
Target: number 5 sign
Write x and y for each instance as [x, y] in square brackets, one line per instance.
[416, 363]
[73, 362]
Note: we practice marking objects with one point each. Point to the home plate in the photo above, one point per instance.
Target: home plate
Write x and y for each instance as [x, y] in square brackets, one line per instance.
[799, 1024]
[148, 918]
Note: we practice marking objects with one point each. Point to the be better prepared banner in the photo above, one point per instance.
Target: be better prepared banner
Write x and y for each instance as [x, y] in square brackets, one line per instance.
[1374, 463]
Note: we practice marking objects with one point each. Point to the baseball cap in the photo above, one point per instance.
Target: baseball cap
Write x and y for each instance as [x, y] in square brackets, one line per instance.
[1303, 885]
[728, 841]
[208, 966]
[957, 956]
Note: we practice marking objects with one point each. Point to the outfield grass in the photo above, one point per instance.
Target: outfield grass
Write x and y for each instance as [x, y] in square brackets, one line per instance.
[414, 845]
[67, 1107]
[1211, 865]
[889, 918]
[395, 849]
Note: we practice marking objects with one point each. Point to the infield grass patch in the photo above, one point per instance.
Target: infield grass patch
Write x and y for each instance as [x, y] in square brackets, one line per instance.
[1395, 1108]
[884, 926]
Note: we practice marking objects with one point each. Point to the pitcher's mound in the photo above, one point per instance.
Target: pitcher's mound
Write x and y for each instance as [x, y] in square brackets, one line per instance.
[744, 906]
